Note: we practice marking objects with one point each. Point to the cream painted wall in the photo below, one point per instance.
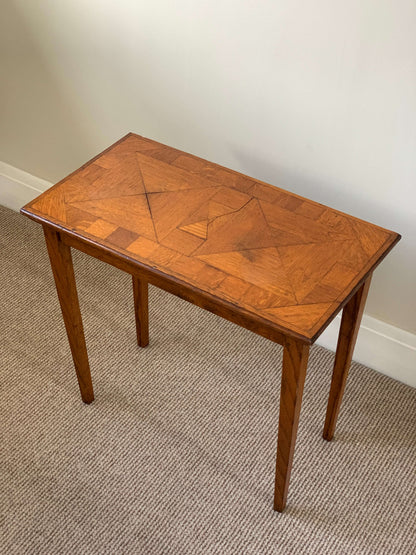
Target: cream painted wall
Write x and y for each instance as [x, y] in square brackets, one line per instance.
[315, 96]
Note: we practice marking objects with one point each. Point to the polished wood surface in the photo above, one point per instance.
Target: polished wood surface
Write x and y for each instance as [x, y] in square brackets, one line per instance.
[63, 273]
[268, 260]
[295, 361]
[350, 324]
[261, 250]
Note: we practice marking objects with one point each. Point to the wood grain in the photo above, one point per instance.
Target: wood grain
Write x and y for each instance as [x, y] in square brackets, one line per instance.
[295, 361]
[141, 310]
[350, 324]
[63, 273]
[295, 261]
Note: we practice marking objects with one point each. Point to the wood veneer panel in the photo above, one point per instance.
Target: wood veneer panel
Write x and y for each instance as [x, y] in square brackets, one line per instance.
[199, 223]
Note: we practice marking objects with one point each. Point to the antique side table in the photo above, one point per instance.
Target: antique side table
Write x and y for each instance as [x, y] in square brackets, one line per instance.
[268, 260]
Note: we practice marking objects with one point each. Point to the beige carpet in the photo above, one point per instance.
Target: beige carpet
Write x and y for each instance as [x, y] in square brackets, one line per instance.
[176, 455]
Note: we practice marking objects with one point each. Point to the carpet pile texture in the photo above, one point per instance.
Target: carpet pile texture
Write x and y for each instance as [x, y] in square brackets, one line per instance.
[176, 455]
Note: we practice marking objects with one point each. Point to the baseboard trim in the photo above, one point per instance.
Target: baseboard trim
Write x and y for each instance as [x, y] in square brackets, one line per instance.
[387, 349]
[18, 187]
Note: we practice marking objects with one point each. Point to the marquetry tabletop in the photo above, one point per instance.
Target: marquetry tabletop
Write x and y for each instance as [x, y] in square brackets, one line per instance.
[266, 259]
[286, 259]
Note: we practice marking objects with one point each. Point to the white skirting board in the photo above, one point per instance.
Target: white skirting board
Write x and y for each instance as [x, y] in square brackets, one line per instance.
[385, 348]
[390, 350]
[18, 187]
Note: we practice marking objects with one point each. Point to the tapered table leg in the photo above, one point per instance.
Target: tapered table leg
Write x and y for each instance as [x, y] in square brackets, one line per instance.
[141, 309]
[63, 272]
[350, 324]
[295, 361]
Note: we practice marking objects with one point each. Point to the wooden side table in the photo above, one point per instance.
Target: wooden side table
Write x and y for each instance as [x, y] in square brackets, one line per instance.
[270, 261]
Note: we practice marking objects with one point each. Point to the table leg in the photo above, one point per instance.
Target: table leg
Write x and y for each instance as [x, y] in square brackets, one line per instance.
[350, 324]
[295, 361]
[141, 309]
[63, 272]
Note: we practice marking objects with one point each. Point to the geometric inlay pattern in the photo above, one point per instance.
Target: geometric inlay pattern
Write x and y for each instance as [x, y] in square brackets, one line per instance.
[270, 252]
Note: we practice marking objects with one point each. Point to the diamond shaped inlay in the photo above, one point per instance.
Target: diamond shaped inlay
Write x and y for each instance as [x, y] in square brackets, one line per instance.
[266, 251]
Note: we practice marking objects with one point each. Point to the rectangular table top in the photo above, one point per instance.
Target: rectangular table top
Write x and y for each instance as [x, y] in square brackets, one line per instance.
[285, 259]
